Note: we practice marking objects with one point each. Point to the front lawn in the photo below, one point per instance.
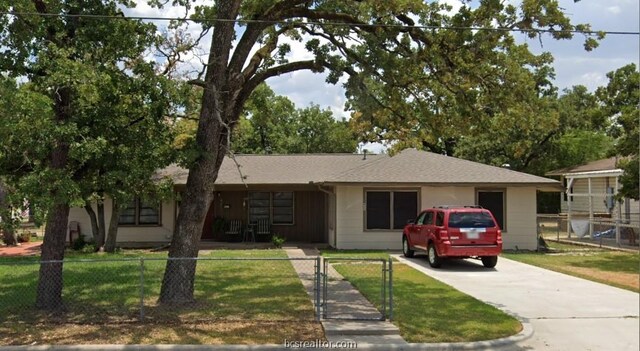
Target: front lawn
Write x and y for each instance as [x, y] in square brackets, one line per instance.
[620, 269]
[237, 301]
[426, 310]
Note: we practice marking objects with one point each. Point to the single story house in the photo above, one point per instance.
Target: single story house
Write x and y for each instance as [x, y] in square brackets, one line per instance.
[349, 201]
[590, 191]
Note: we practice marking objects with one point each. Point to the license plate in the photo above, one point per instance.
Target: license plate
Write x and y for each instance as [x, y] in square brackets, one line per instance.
[473, 233]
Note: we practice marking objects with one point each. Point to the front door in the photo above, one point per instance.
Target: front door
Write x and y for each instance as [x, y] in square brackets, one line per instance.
[207, 229]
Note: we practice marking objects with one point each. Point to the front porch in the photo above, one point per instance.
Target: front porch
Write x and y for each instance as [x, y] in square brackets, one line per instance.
[297, 214]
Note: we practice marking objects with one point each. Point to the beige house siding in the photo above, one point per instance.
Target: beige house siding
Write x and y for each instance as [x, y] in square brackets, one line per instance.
[520, 216]
[520, 219]
[130, 234]
[450, 195]
[350, 223]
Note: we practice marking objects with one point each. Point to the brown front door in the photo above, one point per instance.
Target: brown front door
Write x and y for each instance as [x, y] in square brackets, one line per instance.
[207, 229]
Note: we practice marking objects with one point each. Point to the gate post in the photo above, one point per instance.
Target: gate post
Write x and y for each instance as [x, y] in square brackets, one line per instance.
[390, 288]
[324, 287]
[317, 289]
[384, 289]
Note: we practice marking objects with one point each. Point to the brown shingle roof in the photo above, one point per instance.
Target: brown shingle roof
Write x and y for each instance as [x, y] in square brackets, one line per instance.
[598, 165]
[277, 169]
[408, 166]
[414, 166]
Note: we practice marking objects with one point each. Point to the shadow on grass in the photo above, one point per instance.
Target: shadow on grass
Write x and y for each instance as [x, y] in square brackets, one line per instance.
[625, 263]
[99, 292]
[426, 310]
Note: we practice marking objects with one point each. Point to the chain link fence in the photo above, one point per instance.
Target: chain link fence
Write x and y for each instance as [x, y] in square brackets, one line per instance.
[599, 230]
[128, 290]
[357, 288]
[108, 291]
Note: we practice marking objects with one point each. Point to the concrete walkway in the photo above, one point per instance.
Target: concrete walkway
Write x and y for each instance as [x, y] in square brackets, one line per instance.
[566, 313]
[351, 313]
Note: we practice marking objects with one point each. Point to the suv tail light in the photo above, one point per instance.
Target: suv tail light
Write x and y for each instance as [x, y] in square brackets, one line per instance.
[444, 235]
[499, 236]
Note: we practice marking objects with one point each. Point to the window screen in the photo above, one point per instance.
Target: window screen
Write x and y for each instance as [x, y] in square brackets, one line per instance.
[378, 210]
[390, 209]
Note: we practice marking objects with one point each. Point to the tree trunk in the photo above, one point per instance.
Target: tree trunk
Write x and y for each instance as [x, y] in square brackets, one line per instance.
[8, 231]
[101, 227]
[179, 276]
[218, 100]
[112, 236]
[94, 222]
[49, 293]
[50, 280]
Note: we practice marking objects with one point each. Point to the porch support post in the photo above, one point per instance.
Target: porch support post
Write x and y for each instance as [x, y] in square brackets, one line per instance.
[590, 209]
[618, 206]
[569, 200]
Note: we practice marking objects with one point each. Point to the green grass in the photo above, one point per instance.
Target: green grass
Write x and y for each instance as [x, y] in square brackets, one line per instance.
[110, 290]
[356, 253]
[619, 269]
[425, 309]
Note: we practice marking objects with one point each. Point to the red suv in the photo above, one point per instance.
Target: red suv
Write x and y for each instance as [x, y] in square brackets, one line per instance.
[454, 232]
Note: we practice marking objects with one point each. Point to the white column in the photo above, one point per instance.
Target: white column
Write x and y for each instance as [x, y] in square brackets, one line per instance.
[618, 205]
[590, 209]
[569, 200]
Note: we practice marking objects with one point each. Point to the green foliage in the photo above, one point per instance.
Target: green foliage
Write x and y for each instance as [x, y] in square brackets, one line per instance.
[272, 124]
[620, 103]
[79, 243]
[85, 87]
[277, 240]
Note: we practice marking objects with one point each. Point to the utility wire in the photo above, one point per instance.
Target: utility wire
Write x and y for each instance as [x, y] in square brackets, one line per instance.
[248, 21]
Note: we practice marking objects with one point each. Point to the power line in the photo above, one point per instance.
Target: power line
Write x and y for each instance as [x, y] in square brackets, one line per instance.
[249, 21]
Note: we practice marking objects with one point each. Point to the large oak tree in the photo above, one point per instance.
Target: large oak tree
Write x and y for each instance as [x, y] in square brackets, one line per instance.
[402, 60]
[86, 112]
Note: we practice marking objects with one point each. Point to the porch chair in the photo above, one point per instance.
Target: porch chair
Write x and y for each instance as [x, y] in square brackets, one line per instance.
[263, 228]
[234, 229]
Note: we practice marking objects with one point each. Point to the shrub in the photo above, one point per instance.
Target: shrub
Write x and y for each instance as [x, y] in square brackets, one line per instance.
[277, 240]
[79, 243]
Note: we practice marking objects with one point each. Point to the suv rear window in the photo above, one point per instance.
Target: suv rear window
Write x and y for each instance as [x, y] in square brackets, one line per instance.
[470, 220]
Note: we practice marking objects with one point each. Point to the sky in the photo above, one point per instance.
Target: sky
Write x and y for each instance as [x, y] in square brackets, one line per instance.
[573, 65]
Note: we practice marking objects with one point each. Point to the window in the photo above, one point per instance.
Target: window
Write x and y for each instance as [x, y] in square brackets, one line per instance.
[493, 200]
[429, 219]
[139, 212]
[276, 206]
[439, 219]
[390, 209]
[420, 220]
[470, 220]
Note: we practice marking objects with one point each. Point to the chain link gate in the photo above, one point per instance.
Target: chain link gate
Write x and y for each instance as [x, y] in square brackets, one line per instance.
[357, 288]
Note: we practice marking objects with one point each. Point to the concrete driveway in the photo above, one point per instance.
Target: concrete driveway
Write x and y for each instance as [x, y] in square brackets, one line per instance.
[567, 313]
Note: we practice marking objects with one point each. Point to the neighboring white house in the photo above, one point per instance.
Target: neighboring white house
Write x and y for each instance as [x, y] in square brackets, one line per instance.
[348, 201]
[590, 191]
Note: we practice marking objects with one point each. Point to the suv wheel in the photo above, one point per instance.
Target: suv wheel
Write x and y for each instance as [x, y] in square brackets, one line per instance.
[489, 261]
[406, 250]
[432, 256]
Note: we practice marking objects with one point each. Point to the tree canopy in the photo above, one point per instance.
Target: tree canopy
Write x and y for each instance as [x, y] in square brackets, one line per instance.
[402, 60]
[82, 112]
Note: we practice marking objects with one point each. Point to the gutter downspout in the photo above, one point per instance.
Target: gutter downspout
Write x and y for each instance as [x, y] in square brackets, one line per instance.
[331, 198]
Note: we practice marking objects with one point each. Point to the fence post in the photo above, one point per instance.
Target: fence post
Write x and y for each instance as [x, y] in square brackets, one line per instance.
[141, 289]
[390, 289]
[384, 289]
[318, 287]
[324, 287]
